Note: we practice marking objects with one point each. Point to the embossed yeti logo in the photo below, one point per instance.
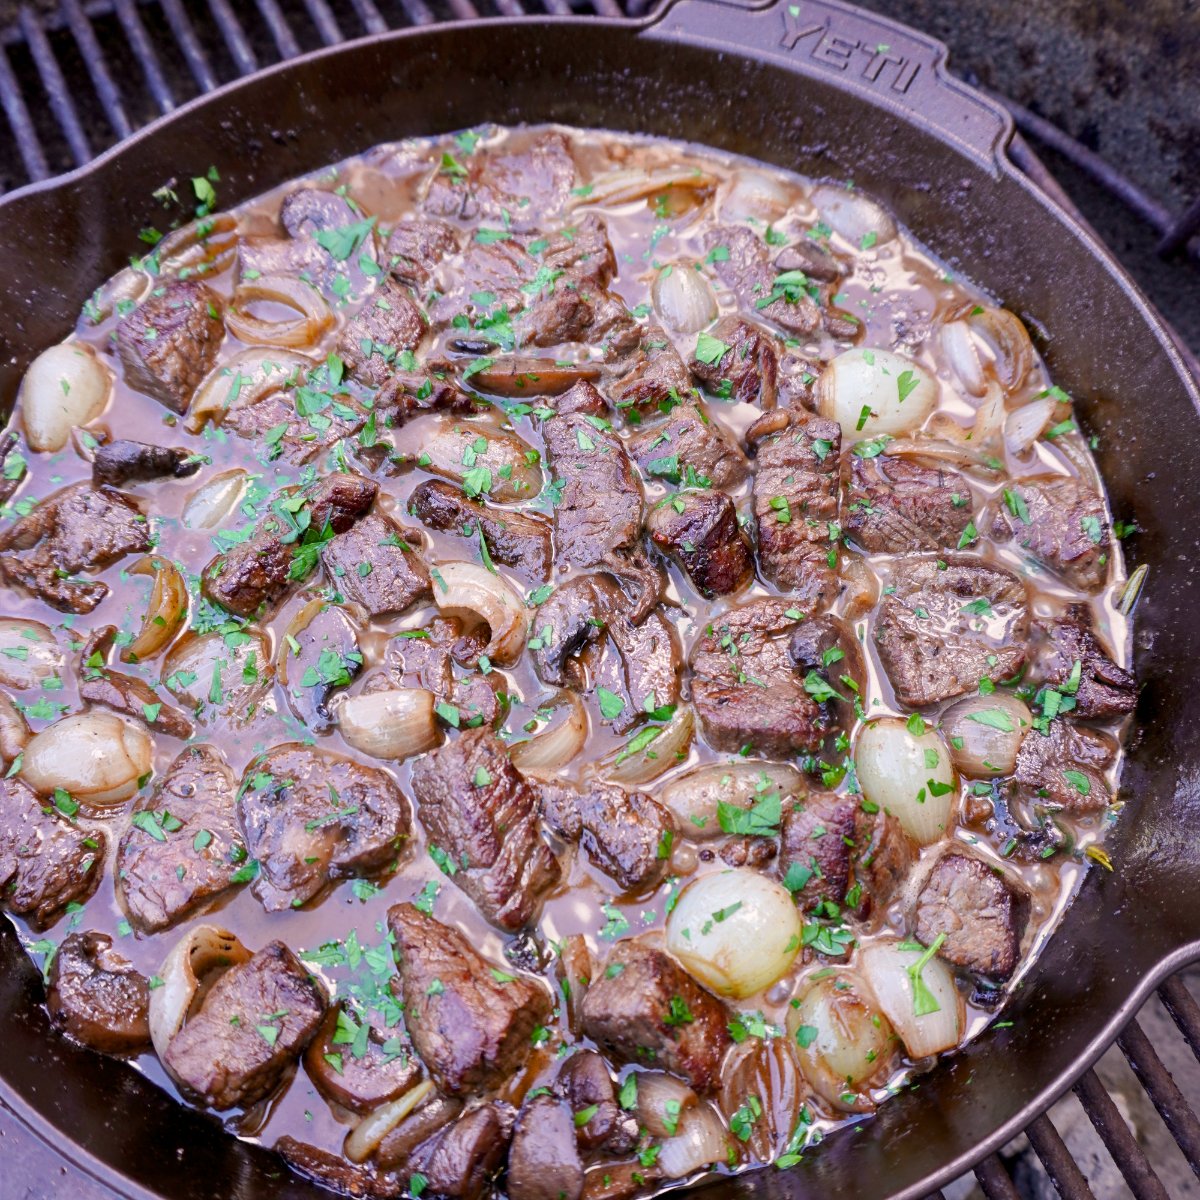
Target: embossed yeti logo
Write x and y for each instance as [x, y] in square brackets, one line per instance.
[877, 63]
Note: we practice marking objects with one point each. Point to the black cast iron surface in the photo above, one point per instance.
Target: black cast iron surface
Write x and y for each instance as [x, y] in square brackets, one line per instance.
[810, 85]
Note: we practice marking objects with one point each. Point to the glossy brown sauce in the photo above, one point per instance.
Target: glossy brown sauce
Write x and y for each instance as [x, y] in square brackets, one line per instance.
[898, 290]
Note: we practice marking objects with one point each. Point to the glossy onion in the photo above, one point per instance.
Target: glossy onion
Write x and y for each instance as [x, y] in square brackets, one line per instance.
[842, 1042]
[29, 655]
[639, 761]
[211, 504]
[166, 609]
[96, 756]
[14, 732]
[1023, 426]
[683, 298]
[242, 381]
[661, 1098]
[755, 195]
[554, 747]
[871, 392]
[766, 1069]
[985, 733]
[364, 1138]
[907, 997]
[700, 1141]
[472, 590]
[395, 724]
[695, 796]
[735, 931]
[908, 773]
[65, 386]
[854, 216]
[312, 318]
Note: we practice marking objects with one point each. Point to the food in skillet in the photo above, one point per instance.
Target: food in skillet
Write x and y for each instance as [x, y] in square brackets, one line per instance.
[547, 662]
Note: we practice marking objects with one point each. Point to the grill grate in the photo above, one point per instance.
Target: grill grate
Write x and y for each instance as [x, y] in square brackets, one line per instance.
[63, 105]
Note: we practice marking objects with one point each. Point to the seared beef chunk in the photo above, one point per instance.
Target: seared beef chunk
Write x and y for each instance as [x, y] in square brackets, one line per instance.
[470, 1029]
[409, 394]
[45, 861]
[322, 657]
[816, 848]
[883, 856]
[425, 658]
[182, 847]
[689, 448]
[254, 576]
[628, 835]
[981, 912]
[125, 462]
[632, 1008]
[810, 257]
[311, 817]
[513, 539]
[748, 272]
[796, 502]
[1101, 689]
[796, 378]
[894, 505]
[583, 250]
[224, 1056]
[302, 438]
[416, 246]
[97, 997]
[1064, 767]
[748, 369]
[544, 1161]
[335, 1173]
[657, 379]
[360, 1074]
[585, 1083]
[376, 563]
[1059, 521]
[480, 811]
[700, 530]
[592, 642]
[598, 517]
[79, 528]
[171, 340]
[388, 323]
[525, 187]
[122, 693]
[745, 688]
[826, 648]
[948, 623]
[460, 1162]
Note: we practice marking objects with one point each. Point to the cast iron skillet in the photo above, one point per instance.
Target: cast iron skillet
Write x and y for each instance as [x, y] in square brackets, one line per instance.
[829, 91]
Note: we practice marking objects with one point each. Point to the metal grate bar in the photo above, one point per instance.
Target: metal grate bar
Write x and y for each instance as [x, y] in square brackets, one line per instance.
[281, 31]
[1131, 1160]
[325, 21]
[1178, 235]
[417, 11]
[1062, 1168]
[55, 85]
[139, 41]
[193, 53]
[1185, 1012]
[370, 16]
[995, 1180]
[234, 37]
[1162, 1089]
[97, 65]
[17, 113]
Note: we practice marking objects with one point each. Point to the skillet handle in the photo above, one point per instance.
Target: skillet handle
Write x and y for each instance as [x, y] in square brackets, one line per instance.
[897, 67]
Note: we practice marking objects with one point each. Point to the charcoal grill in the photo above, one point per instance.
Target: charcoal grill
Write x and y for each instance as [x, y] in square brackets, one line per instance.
[130, 61]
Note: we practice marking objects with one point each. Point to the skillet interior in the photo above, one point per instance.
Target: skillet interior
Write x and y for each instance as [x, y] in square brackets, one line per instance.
[684, 78]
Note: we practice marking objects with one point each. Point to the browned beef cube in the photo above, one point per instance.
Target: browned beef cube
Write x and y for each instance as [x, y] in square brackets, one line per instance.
[883, 856]
[180, 854]
[979, 909]
[745, 688]
[633, 1007]
[470, 1028]
[462, 1160]
[126, 694]
[387, 324]
[513, 539]
[255, 1021]
[254, 576]
[796, 502]
[748, 369]
[812, 259]
[171, 340]
[416, 246]
[1102, 689]
[746, 269]
[585, 1082]
[97, 997]
[656, 380]
[700, 530]
[360, 1075]
[376, 563]
[125, 462]
[893, 506]
[311, 817]
[584, 250]
[1065, 767]
[543, 1160]
[817, 846]
[1060, 522]
[689, 447]
[482, 813]
[303, 438]
[45, 861]
[948, 623]
[79, 528]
